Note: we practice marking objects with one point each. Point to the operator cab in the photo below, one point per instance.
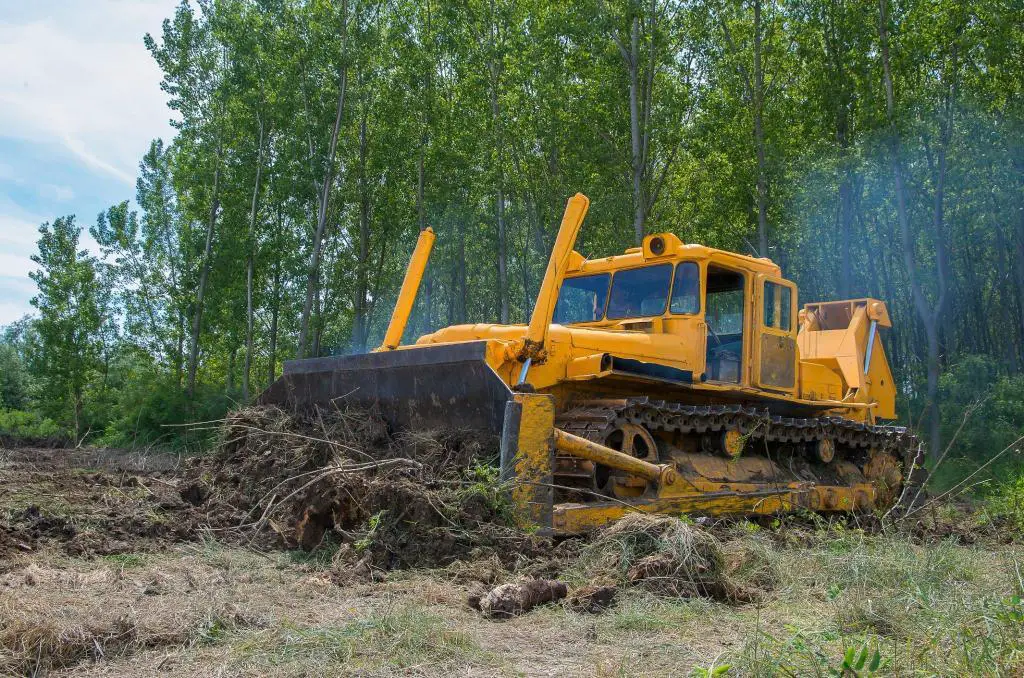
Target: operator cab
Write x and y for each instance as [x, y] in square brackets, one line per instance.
[712, 312]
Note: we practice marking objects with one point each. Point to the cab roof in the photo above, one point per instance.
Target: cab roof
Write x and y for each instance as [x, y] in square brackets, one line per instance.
[670, 249]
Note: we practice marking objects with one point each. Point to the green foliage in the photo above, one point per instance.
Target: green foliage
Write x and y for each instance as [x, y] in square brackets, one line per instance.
[155, 410]
[14, 378]
[1006, 500]
[71, 303]
[983, 407]
[483, 481]
[29, 426]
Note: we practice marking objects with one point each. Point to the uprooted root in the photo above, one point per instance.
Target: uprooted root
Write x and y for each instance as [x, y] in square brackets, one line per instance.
[665, 556]
[509, 600]
[299, 479]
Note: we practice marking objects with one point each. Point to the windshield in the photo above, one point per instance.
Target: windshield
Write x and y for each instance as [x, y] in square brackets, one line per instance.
[686, 289]
[639, 292]
[582, 299]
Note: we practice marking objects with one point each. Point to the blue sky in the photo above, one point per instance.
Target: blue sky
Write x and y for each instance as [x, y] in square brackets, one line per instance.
[80, 101]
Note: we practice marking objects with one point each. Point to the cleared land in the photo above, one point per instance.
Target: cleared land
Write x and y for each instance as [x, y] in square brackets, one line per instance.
[112, 566]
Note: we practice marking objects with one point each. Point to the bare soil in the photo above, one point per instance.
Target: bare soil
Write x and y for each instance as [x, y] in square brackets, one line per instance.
[263, 558]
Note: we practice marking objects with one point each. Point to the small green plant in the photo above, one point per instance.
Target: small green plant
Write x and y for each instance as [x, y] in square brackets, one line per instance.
[484, 481]
[1006, 501]
[860, 663]
[710, 671]
[372, 526]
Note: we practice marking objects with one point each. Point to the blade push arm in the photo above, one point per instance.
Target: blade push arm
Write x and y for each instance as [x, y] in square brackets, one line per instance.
[407, 295]
[547, 297]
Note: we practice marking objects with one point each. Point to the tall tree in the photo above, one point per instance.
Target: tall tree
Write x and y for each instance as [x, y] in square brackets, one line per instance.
[69, 301]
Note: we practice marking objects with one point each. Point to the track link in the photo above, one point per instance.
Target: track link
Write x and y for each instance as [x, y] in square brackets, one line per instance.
[866, 446]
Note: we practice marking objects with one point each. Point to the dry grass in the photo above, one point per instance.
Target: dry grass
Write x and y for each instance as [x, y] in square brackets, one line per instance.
[933, 607]
[209, 609]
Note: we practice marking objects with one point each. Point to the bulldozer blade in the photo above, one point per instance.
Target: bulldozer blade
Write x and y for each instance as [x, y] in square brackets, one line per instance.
[423, 387]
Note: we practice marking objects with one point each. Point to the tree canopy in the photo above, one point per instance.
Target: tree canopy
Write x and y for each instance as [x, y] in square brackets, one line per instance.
[872, 148]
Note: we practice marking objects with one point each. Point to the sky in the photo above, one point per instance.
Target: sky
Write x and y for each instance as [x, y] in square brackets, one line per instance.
[80, 101]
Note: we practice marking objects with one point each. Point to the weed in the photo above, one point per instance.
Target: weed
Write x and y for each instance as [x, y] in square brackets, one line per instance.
[126, 560]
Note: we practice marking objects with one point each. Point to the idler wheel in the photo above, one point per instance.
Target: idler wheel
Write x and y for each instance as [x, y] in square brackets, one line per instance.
[732, 443]
[636, 441]
[825, 450]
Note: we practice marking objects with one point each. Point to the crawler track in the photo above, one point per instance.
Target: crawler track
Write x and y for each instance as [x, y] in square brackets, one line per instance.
[779, 447]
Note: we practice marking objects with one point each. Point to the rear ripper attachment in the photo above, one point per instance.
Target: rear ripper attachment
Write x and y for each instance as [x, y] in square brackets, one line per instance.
[597, 461]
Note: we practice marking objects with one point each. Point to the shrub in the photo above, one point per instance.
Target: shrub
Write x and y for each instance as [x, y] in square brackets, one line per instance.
[29, 427]
[995, 402]
[1006, 501]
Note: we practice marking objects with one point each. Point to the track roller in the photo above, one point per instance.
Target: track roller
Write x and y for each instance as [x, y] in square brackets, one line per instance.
[824, 450]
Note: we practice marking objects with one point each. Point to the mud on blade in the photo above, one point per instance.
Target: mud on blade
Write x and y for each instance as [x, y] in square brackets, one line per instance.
[426, 387]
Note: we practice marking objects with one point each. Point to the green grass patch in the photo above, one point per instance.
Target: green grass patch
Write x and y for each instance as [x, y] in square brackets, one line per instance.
[389, 638]
[125, 560]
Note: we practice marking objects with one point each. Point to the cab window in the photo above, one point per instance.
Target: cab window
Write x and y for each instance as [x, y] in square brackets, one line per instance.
[724, 312]
[581, 299]
[778, 301]
[686, 289]
[639, 292]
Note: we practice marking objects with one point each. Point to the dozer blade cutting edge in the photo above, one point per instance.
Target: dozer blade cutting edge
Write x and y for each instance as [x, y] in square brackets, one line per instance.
[428, 388]
[670, 378]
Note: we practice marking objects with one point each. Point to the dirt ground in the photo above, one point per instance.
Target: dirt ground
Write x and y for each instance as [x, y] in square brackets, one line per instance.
[108, 569]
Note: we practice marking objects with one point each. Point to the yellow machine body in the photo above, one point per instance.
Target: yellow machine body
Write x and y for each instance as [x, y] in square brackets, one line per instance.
[673, 377]
[818, 366]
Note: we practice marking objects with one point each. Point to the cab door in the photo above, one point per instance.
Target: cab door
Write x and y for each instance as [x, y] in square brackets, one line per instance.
[775, 353]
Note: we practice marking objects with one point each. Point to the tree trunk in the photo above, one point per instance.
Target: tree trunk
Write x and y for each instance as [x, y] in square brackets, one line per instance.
[204, 274]
[250, 268]
[1018, 269]
[325, 190]
[929, 316]
[362, 275]
[318, 319]
[275, 310]
[179, 356]
[846, 203]
[762, 169]
[230, 377]
[421, 215]
[637, 156]
[427, 305]
[499, 198]
[460, 276]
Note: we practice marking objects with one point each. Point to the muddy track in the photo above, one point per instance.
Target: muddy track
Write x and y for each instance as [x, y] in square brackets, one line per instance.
[876, 451]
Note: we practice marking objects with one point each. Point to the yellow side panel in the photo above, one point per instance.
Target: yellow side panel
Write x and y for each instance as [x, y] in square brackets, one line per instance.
[819, 382]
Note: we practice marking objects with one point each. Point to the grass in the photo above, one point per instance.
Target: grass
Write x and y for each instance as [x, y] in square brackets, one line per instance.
[395, 637]
[839, 603]
[939, 609]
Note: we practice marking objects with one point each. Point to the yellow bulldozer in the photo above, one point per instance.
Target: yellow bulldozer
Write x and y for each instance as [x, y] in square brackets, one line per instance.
[671, 378]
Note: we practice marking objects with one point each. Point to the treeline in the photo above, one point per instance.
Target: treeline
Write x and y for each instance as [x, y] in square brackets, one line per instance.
[871, 147]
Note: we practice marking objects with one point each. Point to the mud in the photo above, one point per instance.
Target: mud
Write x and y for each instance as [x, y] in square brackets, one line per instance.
[593, 598]
[89, 502]
[315, 480]
[339, 478]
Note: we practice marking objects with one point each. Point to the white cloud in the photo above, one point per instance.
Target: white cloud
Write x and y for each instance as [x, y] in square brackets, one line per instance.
[9, 312]
[77, 74]
[16, 265]
[74, 75]
[55, 193]
[17, 235]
